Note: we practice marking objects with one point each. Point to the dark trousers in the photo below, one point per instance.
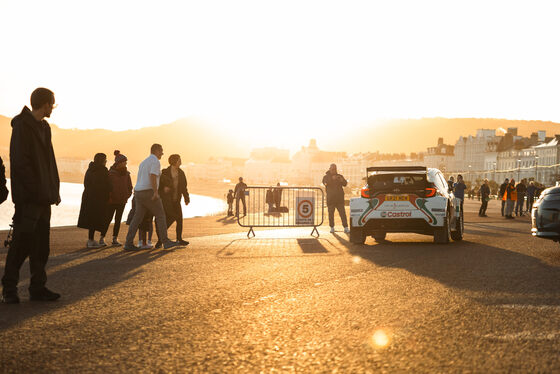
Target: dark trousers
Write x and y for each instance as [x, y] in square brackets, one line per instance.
[242, 198]
[117, 210]
[174, 213]
[31, 239]
[519, 205]
[341, 210]
[503, 207]
[483, 207]
[530, 201]
[230, 209]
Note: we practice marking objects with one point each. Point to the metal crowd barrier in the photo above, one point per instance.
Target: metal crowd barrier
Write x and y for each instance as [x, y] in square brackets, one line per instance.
[281, 207]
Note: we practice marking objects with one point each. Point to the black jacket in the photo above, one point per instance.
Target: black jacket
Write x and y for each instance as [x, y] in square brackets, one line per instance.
[484, 191]
[97, 187]
[503, 188]
[3, 189]
[334, 185]
[166, 180]
[33, 171]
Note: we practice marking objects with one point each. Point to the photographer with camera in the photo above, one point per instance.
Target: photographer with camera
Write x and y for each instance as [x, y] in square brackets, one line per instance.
[3, 188]
[334, 184]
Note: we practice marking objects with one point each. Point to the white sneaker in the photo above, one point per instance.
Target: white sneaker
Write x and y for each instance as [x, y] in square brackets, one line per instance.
[93, 244]
[346, 230]
[146, 246]
[140, 243]
[332, 230]
[150, 243]
[102, 242]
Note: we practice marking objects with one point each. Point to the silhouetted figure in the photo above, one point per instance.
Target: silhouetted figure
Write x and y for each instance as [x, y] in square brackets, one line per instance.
[334, 184]
[269, 198]
[510, 196]
[485, 197]
[239, 193]
[450, 183]
[229, 200]
[521, 190]
[3, 188]
[95, 200]
[173, 187]
[459, 189]
[35, 187]
[121, 190]
[148, 199]
[277, 196]
[531, 190]
[501, 193]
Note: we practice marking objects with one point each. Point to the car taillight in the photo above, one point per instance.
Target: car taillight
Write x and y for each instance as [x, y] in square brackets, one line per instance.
[430, 192]
[366, 192]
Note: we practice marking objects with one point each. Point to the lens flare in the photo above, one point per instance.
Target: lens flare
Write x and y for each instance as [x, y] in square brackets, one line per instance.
[380, 339]
[356, 259]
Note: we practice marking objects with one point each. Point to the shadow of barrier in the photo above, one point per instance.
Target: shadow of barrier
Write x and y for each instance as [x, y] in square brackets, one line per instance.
[280, 207]
[276, 248]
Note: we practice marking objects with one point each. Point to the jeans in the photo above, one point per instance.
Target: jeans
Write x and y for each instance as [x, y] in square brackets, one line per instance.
[341, 210]
[519, 206]
[242, 198]
[509, 207]
[144, 203]
[530, 201]
[32, 225]
[117, 210]
[503, 206]
[483, 207]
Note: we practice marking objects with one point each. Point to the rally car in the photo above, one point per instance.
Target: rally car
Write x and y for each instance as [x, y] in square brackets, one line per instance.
[405, 199]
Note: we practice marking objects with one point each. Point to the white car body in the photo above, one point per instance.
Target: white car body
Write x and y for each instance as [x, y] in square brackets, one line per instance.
[434, 211]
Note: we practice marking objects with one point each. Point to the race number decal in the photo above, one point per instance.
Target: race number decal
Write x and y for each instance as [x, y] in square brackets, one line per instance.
[305, 212]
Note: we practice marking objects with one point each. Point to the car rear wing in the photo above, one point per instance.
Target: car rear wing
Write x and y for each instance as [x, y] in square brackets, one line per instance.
[398, 169]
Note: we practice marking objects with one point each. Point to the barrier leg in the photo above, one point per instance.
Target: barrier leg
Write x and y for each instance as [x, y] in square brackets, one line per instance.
[315, 231]
[251, 231]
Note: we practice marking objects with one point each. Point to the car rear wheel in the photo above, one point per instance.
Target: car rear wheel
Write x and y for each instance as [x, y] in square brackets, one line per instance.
[379, 236]
[457, 234]
[441, 234]
[357, 235]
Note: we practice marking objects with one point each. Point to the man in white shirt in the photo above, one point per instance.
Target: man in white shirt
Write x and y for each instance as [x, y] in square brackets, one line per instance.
[147, 199]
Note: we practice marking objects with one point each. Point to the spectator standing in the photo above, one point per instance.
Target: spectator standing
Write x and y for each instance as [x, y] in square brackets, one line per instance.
[450, 183]
[334, 184]
[485, 197]
[35, 187]
[510, 196]
[172, 188]
[148, 199]
[121, 190]
[277, 195]
[459, 189]
[3, 189]
[95, 200]
[501, 194]
[531, 191]
[521, 189]
[229, 199]
[239, 193]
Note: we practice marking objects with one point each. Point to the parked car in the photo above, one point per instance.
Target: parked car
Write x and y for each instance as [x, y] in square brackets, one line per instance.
[412, 199]
[545, 215]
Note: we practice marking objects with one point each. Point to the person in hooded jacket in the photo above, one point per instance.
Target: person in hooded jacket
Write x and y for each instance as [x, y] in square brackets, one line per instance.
[3, 188]
[334, 184]
[95, 199]
[121, 190]
[35, 187]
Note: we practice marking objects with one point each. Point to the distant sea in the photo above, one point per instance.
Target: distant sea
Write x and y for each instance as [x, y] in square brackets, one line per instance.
[66, 214]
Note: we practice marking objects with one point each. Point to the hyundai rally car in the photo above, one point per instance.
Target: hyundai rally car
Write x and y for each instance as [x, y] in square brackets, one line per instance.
[405, 199]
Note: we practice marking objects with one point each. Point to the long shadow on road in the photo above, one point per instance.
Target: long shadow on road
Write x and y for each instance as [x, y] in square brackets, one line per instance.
[76, 282]
[490, 275]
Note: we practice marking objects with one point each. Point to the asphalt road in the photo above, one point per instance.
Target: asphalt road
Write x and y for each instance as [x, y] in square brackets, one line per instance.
[284, 302]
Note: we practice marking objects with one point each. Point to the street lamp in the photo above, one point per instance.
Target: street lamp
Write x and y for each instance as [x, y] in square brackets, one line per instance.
[518, 169]
[536, 167]
[469, 172]
[494, 179]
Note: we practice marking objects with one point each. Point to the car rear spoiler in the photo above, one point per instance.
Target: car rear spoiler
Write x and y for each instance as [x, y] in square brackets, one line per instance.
[397, 168]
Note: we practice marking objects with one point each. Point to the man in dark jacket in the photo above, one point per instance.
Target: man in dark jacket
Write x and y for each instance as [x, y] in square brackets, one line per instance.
[3, 189]
[173, 187]
[503, 188]
[334, 184]
[239, 193]
[35, 187]
[531, 190]
[521, 190]
[484, 197]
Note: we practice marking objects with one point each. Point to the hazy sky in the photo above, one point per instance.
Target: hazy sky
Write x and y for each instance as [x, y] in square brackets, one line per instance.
[293, 66]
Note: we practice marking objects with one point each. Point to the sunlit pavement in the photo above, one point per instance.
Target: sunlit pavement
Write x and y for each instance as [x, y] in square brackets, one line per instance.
[285, 301]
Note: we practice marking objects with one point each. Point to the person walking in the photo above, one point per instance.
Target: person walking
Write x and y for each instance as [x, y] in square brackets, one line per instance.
[521, 189]
[229, 199]
[148, 199]
[239, 193]
[95, 200]
[35, 186]
[334, 184]
[485, 197]
[3, 189]
[531, 190]
[173, 187]
[501, 194]
[459, 189]
[510, 196]
[121, 190]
